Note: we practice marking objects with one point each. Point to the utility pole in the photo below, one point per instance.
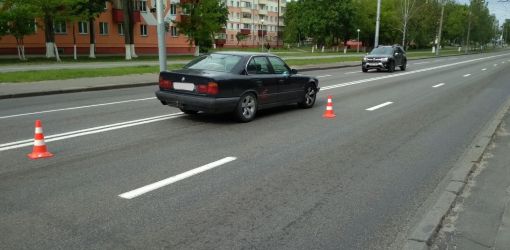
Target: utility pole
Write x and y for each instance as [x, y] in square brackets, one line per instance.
[161, 36]
[440, 28]
[377, 23]
[469, 30]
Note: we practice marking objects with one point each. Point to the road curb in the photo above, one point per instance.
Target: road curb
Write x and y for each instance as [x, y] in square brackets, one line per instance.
[76, 90]
[428, 227]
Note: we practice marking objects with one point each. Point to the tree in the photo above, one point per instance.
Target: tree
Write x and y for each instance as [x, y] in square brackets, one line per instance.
[240, 37]
[129, 26]
[20, 23]
[407, 10]
[202, 19]
[89, 10]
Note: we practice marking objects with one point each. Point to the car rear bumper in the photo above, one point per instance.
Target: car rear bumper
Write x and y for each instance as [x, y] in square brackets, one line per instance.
[199, 103]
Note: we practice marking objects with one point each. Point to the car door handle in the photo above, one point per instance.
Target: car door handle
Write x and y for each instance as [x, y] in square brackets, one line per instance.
[281, 81]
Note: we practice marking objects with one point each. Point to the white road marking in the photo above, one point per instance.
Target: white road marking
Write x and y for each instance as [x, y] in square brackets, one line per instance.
[353, 72]
[79, 107]
[437, 86]
[466, 75]
[379, 106]
[156, 185]
[89, 131]
[340, 85]
[484, 69]
[323, 76]
[503, 62]
[495, 64]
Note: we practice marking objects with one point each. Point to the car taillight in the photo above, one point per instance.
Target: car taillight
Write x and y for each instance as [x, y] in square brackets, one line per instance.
[165, 83]
[210, 88]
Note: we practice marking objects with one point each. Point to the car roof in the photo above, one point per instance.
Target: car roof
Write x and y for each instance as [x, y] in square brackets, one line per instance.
[243, 53]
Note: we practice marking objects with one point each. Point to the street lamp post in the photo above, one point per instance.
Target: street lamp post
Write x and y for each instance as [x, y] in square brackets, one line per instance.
[377, 23]
[358, 41]
[161, 35]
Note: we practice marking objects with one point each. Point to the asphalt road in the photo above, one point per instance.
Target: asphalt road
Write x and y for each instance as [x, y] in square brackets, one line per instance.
[288, 180]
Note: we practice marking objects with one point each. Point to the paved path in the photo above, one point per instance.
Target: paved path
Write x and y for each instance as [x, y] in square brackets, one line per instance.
[481, 217]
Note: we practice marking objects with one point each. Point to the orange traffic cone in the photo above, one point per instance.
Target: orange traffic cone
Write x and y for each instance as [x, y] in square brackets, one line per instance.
[39, 150]
[329, 109]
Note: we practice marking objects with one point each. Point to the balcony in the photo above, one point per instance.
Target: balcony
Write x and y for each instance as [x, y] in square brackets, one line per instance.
[245, 31]
[118, 16]
[246, 20]
[262, 2]
[262, 33]
[186, 1]
[262, 12]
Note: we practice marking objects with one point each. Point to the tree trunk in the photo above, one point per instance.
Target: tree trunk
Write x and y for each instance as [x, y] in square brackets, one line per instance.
[57, 56]
[92, 30]
[128, 52]
[75, 53]
[133, 52]
[197, 50]
[19, 52]
[49, 34]
[23, 52]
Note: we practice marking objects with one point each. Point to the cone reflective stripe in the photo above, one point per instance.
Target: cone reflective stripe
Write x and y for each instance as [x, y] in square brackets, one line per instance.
[329, 109]
[39, 150]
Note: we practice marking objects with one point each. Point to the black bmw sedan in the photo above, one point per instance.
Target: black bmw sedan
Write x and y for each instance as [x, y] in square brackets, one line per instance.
[237, 82]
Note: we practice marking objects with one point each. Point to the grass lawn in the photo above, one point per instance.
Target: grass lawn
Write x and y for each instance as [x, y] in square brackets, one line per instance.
[34, 76]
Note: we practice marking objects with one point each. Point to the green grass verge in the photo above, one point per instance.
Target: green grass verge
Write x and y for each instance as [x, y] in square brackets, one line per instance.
[45, 75]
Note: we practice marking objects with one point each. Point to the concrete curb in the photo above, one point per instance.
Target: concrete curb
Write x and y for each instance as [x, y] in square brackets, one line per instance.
[422, 236]
[75, 90]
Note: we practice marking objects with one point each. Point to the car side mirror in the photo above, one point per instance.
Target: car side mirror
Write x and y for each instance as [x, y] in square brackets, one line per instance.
[293, 71]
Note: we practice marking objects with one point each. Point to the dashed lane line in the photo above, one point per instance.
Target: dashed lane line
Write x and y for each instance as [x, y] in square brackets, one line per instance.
[438, 85]
[379, 106]
[162, 183]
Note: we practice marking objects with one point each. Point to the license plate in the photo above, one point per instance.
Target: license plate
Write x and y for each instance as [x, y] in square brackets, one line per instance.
[184, 86]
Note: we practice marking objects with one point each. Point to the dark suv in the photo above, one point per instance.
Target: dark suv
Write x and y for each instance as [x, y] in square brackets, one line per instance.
[385, 57]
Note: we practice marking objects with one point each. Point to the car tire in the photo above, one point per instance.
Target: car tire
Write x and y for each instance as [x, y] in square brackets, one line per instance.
[189, 111]
[391, 67]
[403, 66]
[246, 108]
[309, 97]
[365, 70]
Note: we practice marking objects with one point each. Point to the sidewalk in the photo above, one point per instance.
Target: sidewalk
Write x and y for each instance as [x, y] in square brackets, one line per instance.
[15, 90]
[480, 218]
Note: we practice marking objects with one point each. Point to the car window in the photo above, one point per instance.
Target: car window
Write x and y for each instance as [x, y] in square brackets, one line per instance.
[258, 65]
[279, 66]
[382, 51]
[215, 62]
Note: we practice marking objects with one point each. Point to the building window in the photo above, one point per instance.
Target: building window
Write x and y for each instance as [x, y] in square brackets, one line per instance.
[246, 26]
[143, 5]
[103, 28]
[173, 9]
[83, 27]
[60, 27]
[120, 28]
[143, 30]
[173, 31]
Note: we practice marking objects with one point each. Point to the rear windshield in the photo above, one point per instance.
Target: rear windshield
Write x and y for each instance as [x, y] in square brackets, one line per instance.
[382, 51]
[214, 62]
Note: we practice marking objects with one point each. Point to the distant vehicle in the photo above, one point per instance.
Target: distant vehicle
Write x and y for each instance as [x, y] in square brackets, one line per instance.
[238, 82]
[385, 58]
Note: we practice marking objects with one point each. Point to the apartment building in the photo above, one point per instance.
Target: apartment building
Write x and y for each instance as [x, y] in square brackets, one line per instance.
[109, 32]
[257, 20]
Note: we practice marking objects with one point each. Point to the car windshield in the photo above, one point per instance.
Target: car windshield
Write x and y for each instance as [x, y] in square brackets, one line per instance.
[382, 51]
[214, 62]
